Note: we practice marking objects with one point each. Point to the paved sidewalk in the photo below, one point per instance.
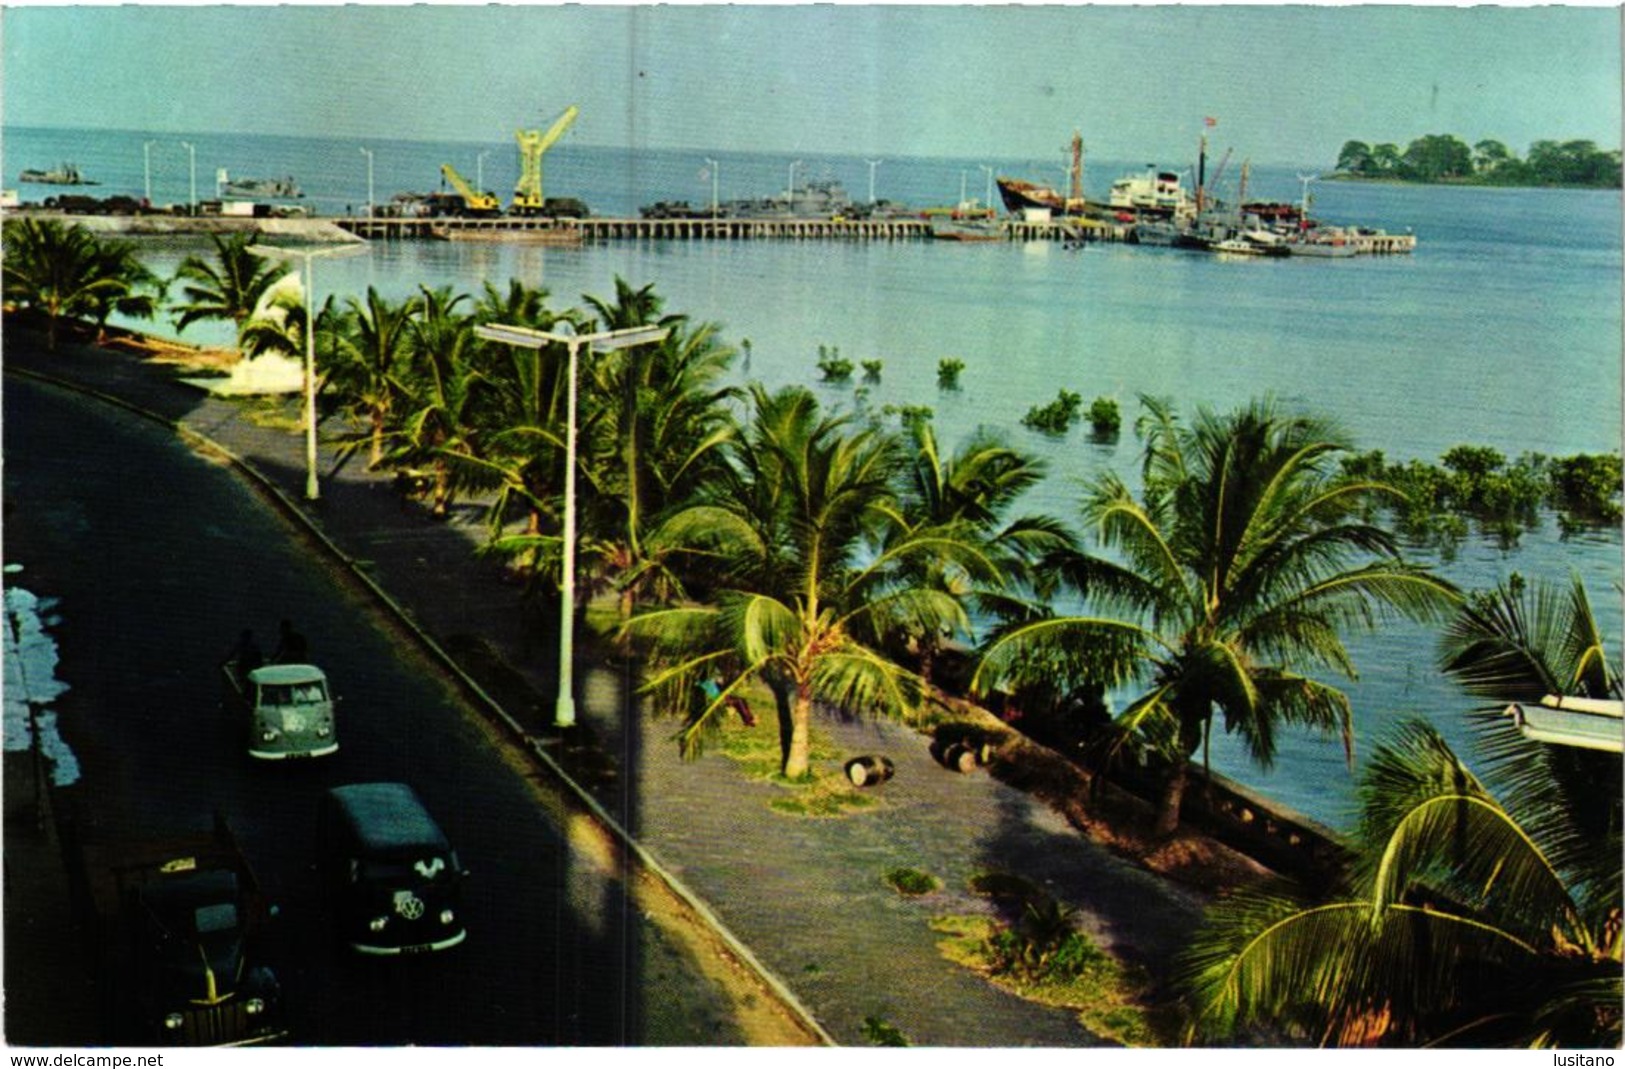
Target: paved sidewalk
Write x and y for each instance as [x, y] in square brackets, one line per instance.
[806, 895]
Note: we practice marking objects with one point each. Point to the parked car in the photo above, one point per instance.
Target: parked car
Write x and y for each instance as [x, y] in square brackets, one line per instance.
[176, 922]
[392, 880]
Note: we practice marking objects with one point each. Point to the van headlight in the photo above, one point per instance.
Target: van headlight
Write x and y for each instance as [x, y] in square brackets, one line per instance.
[254, 1006]
[174, 1021]
[377, 923]
[268, 735]
[323, 731]
[447, 916]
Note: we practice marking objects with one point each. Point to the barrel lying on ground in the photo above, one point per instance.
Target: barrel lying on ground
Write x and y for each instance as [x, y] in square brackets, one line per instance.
[869, 770]
[963, 754]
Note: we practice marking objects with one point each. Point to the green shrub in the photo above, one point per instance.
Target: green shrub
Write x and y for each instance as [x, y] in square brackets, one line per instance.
[832, 365]
[909, 415]
[911, 881]
[882, 1033]
[1055, 417]
[871, 369]
[948, 369]
[1104, 418]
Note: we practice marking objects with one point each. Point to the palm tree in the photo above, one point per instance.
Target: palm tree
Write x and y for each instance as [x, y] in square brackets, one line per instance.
[800, 586]
[1240, 566]
[232, 287]
[368, 363]
[63, 273]
[443, 388]
[1457, 925]
[655, 425]
[970, 491]
[140, 294]
[1519, 643]
[520, 442]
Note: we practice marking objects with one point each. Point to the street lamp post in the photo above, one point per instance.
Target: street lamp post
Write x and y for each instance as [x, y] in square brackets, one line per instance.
[793, 167]
[146, 168]
[191, 153]
[309, 255]
[564, 714]
[368, 153]
[872, 165]
[716, 170]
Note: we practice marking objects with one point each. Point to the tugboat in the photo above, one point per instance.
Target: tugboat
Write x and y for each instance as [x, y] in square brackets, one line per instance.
[65, 175]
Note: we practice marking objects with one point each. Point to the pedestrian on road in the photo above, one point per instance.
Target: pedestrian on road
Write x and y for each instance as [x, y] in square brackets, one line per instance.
[246, 655]
[292, 648]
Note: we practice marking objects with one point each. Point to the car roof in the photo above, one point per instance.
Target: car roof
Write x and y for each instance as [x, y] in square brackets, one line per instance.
[287, 674]
[388, 818]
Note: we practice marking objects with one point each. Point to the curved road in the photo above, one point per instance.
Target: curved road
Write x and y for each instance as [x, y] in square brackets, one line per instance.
[156, 558]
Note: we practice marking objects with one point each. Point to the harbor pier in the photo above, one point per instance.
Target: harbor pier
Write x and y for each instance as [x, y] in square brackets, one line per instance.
[605, 229]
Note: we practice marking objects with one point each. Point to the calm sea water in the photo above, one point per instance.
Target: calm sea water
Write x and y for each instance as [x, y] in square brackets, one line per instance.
[1504, 329]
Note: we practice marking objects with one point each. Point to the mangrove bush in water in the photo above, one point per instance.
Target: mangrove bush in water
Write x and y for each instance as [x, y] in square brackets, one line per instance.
[1478, 484]
[1055, 417]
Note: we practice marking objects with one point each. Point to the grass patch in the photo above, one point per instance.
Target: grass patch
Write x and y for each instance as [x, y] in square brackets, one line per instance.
[911, 881]
[273, 413]
[823, 793]
[1108, 996]
[882, 1033]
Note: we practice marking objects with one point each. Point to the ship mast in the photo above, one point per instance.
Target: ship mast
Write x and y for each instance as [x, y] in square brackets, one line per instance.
[1201, 172]
[1077, 170]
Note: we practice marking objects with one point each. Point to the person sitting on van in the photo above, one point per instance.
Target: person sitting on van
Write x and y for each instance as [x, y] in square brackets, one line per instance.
[245, 656]
[291, 647]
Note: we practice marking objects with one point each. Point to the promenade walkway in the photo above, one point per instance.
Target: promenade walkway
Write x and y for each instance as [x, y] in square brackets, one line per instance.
[806, 895]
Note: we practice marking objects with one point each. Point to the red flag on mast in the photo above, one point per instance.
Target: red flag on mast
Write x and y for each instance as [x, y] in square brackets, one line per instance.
[1209, 120]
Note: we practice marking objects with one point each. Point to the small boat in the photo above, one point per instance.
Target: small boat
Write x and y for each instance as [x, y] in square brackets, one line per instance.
[567, 237]
[273, 188]
[1236, 247]
[65, 175]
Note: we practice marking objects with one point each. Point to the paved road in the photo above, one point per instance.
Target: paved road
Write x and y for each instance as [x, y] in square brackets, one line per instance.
[805, 895]
[157, 558]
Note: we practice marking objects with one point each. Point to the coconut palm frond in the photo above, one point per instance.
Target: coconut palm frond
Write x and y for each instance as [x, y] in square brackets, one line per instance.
[671, 632]
[1363, 595]
[1437, 824]
[1339, 973]
[1105, 651]
[759, 626]
[1589, 671]
[1501, 644]
[1293, 699]
[862, 681]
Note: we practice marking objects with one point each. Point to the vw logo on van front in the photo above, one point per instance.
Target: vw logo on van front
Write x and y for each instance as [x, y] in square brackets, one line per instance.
[408, 905]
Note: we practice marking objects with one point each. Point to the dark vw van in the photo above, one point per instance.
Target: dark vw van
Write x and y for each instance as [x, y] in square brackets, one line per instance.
[392, 880]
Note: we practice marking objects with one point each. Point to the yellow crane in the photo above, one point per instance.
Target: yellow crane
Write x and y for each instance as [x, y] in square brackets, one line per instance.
[527, 195]
[474, 202]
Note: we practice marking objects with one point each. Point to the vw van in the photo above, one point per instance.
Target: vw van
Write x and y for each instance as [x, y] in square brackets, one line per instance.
[392, 880]
[288, 710]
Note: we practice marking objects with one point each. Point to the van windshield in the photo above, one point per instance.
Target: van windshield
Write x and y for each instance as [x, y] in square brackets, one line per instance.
[296, 694]
[428, 868]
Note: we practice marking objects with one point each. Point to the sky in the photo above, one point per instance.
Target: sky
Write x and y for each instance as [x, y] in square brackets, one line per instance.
[1285, 84]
